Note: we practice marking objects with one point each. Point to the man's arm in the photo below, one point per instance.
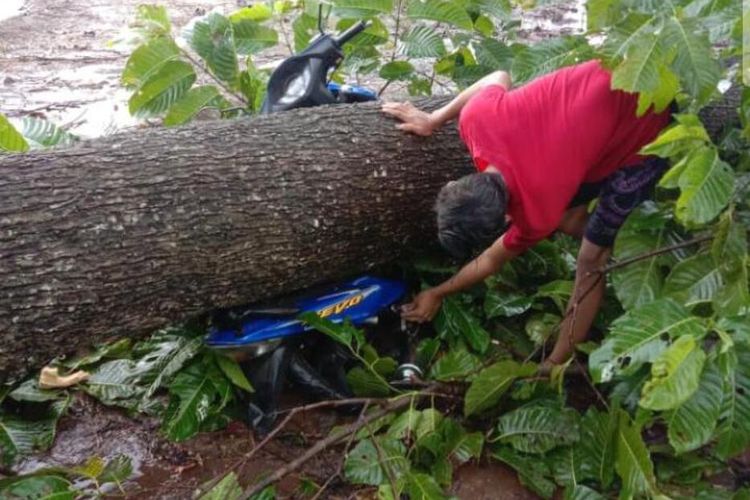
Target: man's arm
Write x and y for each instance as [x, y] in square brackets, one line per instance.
[425, 306]
[422, 123]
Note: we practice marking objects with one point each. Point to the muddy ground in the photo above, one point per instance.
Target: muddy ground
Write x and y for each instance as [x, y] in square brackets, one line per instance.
[61, 60]
[167, 470]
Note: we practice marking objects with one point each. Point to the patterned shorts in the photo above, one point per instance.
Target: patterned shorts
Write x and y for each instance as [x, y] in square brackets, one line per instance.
[619, 194]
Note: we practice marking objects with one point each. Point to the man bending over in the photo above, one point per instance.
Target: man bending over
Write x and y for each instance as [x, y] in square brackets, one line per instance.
[543, 151]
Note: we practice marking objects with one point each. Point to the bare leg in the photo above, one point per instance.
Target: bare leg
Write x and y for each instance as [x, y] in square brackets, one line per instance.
[575, 327]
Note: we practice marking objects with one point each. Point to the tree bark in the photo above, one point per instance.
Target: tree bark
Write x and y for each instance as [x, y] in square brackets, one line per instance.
[123, 235]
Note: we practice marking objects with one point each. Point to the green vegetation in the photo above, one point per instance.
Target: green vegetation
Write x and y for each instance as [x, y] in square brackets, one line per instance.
[669, 382]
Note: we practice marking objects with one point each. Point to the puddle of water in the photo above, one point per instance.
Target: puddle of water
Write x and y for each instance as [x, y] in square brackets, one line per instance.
[10, 8]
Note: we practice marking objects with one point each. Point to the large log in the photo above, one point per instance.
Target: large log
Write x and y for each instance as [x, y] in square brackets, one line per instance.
[123, 235]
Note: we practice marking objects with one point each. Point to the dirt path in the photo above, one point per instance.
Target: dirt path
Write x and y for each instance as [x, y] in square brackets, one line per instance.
[61, 59]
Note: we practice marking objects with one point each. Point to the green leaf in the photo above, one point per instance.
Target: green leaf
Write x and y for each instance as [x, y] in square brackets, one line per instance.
[251, 37]
[440, 10]
[343, 333]
[506, 303]
[191, 104]
[363, 465]
[422, 41]
[494, 54]
[362, 8]
[640, 336]
[162, 90]
[559, 291]
[733, 431]
[499, 9]
[376, 33]
[641, 282]
[147, 60]
[706, 187]
[19, 436]
[107, 350]
[303, 27]
[680, 138]
[692, 424]
[600, 14]
[396, 70]
[213, 40]
[117, 470]
[46, 134]
[641, 67]
[421, 486]
[531, 471]
[694, 280]
[538, 429]
[227, 489]
[197, 392]
[598, 443]
[455, 321]
[675, 375]
[152, 21]
[41, 487]
[258, 12]
[234, 373]
[30, 391]
[484, 25]
[253, 85]
[10, 138]
[633, 27]
[268, 493]
[454, 365]
[581, 492]
[491, 383]
[364, 382]
[546, 56]
[118, 382]
[694, 61]
[633, 462]
[460, 445]
[171, 354]
[541, 326]
[426, 351]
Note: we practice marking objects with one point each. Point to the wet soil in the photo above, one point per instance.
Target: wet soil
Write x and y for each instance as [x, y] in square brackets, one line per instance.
[168, 470]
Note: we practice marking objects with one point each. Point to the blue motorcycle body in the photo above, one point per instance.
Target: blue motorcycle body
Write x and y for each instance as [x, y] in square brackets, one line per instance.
[358, 301]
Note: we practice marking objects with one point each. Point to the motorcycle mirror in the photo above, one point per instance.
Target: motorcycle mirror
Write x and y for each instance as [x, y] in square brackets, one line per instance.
[320, 18]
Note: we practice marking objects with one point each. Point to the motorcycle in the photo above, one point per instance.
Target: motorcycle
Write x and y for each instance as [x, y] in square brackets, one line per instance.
[271, 342]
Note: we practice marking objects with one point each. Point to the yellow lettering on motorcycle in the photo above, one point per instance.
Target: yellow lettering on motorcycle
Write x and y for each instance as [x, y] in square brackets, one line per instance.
[341, 306]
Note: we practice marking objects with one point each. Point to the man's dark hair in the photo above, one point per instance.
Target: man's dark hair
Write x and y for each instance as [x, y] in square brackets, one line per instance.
[471, 213]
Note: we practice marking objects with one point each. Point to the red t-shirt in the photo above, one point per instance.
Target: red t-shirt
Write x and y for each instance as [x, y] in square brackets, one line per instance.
[549, 136]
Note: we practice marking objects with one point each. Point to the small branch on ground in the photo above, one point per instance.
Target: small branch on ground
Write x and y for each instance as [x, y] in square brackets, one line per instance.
[386, 406]
[340, 467]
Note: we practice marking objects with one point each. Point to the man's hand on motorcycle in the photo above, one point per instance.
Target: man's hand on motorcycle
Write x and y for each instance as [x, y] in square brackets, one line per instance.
[414, 119]
[423, 308]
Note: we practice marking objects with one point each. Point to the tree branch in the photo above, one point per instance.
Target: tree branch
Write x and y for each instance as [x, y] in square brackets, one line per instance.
[387, 406]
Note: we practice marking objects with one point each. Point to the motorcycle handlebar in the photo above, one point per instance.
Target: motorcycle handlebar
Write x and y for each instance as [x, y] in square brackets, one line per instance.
[351, 33]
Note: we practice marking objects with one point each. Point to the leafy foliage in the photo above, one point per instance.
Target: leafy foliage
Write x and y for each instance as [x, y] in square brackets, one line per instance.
[675, 353]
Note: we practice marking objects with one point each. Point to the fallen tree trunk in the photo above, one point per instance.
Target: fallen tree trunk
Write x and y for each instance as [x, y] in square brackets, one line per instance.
[123, 235]
[126, 234]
